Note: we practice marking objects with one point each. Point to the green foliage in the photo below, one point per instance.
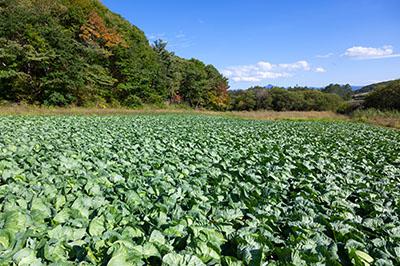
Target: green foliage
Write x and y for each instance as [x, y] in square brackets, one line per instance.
[279, 99]
[245, 100]
[58, 99]
[386, 96]
[349, 107]
[133, 101]
[319, 101]
[197, 190]
[67, 52]
[344, 91]
[193, 82]
[283, 100]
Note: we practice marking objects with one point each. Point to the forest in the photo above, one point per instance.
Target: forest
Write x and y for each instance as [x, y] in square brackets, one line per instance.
[77, 52]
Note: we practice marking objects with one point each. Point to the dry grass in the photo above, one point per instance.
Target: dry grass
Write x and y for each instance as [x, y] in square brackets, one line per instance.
[376, 117]
[36, 110]
[271, 115]
[258, 115]
[386, 119]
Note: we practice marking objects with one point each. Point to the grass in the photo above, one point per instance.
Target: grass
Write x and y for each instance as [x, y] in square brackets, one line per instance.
[271, 115]
[376, 117]
[256, 115]
[371, 116]
[43, 110]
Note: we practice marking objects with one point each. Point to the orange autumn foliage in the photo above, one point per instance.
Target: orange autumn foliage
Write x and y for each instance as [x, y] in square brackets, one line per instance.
[96, 32]
[220, 97]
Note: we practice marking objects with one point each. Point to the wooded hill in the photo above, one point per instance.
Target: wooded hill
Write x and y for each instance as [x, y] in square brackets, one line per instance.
[63, 52]
[383, 95]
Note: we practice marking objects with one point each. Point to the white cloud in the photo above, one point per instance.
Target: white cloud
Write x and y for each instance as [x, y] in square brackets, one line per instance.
[360, 52]
[265, 65]
[299, 65]
[325, 55]
[264, 70]
[320, 70]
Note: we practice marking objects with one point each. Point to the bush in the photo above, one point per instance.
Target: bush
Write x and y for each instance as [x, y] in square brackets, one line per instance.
[4, 103]
[95, 101]
[154, 99]
[283, 100]
[243, 100]
[133, 102]
[331, 102]
[58, 99]
[347, 108]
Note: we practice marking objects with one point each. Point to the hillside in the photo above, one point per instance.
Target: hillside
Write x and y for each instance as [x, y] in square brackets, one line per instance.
[77, 52]
[384, 96]
[375, 86]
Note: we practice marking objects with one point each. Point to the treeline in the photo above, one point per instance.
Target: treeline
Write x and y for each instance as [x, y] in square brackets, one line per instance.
[77, 52]
[281, 99]
[334, 97]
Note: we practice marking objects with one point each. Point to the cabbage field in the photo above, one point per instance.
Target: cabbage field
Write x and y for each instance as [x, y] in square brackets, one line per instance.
[197, 190]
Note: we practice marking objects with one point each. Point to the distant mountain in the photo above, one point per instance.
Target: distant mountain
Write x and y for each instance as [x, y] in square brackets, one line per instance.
[356, 88]
[269, 86]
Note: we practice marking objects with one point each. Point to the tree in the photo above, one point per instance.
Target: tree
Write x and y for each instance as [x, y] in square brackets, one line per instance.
[344, 91]
[217, 89]
[385, 97]
[170, 76]
[283, 100]
[280, 99]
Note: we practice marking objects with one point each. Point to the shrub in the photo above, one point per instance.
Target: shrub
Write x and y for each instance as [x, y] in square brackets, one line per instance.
[347, 108]
[58, 99]
[133, 102]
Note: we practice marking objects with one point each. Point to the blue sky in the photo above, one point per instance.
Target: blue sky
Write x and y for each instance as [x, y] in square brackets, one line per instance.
[280, 42]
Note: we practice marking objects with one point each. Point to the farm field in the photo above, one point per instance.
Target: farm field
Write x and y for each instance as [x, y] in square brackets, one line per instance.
[197, 190]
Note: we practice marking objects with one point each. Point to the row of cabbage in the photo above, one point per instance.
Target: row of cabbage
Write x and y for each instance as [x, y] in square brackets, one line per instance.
[197, 190]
